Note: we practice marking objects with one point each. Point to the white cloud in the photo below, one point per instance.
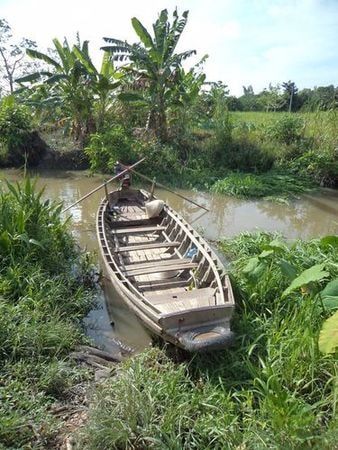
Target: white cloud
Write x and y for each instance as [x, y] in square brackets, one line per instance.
[248, 42]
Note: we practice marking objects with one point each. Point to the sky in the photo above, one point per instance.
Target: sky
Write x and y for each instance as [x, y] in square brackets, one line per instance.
[253, 42]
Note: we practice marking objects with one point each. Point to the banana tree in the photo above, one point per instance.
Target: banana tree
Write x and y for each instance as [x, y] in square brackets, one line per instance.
[154, 63]
[102, 83]
[75, 85]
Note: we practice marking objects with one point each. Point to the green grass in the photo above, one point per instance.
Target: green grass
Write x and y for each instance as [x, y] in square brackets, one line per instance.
[272, 185]
[321, 126]
[41, 307]
[273, 389]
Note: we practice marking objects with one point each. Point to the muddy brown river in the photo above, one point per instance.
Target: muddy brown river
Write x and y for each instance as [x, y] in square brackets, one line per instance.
[312, 215]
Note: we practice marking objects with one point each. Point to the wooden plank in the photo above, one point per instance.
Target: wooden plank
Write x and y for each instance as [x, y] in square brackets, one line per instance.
[162, 284]
[156, 262]
[135, 248]
[203, 295]
[132, 223]
[138, 230]
[183, 300]
[173, 306]
[137, 272]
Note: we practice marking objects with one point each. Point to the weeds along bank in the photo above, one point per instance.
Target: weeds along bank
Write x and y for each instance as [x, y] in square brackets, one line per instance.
[43, 297]
[274, 389]
[242, 153]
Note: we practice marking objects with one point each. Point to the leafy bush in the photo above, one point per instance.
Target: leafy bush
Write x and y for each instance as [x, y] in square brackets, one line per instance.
[19, 145]
[286, 130]
[222, 134]
[15, 124]
[112, 145]
[162, 160]
[321, 166]
[248, 156]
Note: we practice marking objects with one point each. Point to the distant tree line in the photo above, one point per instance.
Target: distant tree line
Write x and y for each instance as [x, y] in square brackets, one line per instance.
[285, 97]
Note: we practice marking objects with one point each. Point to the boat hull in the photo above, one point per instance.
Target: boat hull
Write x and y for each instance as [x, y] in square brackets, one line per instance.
[196, 328]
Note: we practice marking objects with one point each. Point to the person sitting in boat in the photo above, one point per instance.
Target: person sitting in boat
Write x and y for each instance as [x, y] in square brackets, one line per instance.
[125, 178]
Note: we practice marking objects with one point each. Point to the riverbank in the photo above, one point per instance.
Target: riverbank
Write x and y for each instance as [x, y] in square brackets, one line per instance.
[46, 289]
[257, 155]
[273, 389]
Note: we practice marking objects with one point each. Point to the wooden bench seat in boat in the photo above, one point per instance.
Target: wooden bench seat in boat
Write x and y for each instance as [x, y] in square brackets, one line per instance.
[138, 230]
[133, 222]
[159, 268]
[168, 283]
[182, 300]
[147, 246]
[156, 262]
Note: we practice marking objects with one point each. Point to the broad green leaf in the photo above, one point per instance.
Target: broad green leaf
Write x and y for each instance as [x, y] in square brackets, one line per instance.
[330, 301]
[38, 55]
[266, 253]
[35, 242]
[276, 244]
[287, 269]
[314, 273]
[251, 265]
[328, 337]
[142, 33]
[85, 60]
[258, 271]
[29, 78]
[62, 54]
[331, 289]
[107, 66]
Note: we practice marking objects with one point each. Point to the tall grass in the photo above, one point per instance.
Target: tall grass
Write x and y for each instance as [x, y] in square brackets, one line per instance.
[274, 185]
[41, 305]
[273, 389]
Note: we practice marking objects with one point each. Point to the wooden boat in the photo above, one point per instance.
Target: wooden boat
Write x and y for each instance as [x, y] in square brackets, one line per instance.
[166, 272]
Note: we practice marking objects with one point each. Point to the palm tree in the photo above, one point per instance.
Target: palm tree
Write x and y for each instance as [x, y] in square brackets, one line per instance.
[154, 64]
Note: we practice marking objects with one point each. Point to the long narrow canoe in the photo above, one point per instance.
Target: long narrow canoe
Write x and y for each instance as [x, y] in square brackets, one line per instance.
[165, 271]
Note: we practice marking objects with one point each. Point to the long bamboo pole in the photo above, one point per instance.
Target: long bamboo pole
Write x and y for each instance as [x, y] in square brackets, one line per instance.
[104, 184]
[168, 189]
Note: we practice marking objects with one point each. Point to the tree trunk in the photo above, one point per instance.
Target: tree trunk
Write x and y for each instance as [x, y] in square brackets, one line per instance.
[291, 98]
[162, 128]
[151, 120]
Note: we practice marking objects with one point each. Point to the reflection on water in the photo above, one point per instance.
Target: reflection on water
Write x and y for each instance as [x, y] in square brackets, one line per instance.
[312, 215]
